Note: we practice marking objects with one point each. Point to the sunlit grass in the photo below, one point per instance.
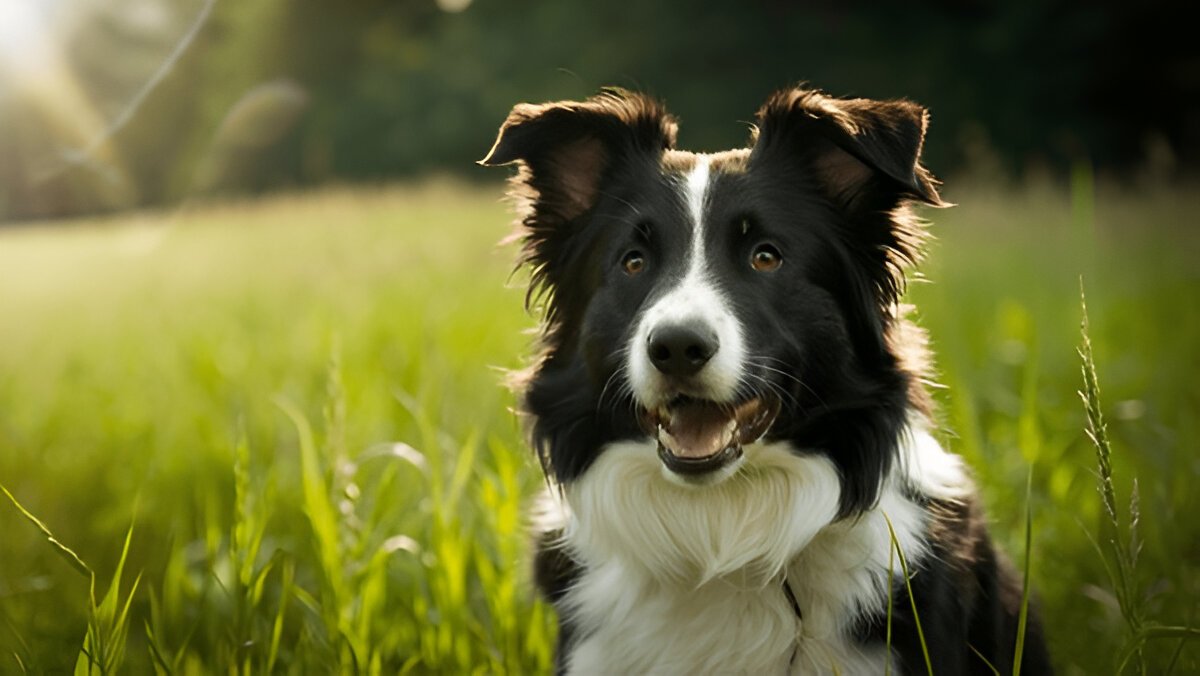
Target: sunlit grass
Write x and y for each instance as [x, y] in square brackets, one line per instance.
[296, 403]
[906, 574]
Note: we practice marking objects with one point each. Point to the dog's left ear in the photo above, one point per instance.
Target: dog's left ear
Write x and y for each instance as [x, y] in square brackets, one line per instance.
[851, 144]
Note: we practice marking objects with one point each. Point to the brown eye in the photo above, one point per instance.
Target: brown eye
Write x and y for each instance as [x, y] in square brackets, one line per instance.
[633, 263]
[765, 258]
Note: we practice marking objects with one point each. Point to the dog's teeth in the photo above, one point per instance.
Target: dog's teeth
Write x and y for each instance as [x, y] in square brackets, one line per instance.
[665, 438]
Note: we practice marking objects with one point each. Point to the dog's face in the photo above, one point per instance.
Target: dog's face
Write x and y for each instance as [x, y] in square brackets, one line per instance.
[710, 301]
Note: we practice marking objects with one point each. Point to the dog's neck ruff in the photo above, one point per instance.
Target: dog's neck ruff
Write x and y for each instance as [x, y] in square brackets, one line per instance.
[683, 579]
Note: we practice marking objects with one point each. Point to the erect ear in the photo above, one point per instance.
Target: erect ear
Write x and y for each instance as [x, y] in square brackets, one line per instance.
[850, 142]
[566, 147]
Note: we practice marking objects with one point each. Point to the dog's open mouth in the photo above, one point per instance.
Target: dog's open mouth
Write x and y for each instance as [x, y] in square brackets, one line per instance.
[697, 437]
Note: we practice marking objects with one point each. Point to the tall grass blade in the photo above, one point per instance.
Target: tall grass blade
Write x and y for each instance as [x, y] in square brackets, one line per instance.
[1152, 633]
[991, 667]
[22, 646]
[1126, 552]
[157, 659]
[108, 622]
[887, 668]
[1135, 518]
[285, 594]
[911, 599]
[70, 556]
[1023, 619]
[1097, 431]
[1175, 657]
[318, 504]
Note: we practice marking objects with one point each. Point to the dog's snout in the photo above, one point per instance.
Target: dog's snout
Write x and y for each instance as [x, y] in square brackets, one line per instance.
[681, 351]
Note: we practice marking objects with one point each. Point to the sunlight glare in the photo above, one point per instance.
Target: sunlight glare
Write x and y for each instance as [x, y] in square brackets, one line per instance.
[23, 39]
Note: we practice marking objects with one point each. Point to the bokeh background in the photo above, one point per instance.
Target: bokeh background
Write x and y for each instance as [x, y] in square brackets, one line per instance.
[277, 94]
[254, 321]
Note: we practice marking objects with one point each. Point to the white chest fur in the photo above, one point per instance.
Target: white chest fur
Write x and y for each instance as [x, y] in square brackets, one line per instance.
[681, 579]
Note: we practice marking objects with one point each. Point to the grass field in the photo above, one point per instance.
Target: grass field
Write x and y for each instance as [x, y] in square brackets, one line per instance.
[293, 408]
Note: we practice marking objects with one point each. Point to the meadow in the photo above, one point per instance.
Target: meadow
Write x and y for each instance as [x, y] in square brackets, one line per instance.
[275, 432]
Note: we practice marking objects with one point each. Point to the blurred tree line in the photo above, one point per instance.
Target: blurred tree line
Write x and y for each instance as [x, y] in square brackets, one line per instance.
[277, 93]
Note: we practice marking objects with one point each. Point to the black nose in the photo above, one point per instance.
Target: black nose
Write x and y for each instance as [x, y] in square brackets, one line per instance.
[681, 351]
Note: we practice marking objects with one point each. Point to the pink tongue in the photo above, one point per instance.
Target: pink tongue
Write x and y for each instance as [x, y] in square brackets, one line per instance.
[697, 430]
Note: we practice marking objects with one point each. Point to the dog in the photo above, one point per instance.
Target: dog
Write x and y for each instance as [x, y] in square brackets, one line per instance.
[730, 404]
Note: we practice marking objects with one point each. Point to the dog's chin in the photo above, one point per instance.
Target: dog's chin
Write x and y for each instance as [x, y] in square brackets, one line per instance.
[700, 442]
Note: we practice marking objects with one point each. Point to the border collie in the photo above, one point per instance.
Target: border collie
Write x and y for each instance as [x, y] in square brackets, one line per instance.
[729, 403]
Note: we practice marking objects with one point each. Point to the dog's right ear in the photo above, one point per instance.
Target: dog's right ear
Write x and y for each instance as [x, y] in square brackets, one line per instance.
[567, 147]
[852, 145]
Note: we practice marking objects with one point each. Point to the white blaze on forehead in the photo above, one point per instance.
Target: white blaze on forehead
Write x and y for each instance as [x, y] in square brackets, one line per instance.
[694, 300]
[696, 187]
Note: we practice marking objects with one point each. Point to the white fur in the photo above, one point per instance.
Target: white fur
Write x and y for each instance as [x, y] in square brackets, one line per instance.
[695, 189]
[688, 579]
[695, 300]
[928, 467]
[701, 532]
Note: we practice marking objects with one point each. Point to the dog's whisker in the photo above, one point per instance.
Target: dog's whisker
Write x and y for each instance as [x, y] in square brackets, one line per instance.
[775, 389]
[790, 376]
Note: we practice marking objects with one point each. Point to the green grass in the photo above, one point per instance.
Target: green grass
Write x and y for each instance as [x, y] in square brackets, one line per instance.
[293, 408]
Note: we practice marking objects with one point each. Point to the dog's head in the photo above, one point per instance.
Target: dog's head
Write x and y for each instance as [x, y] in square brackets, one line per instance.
[710, 301]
